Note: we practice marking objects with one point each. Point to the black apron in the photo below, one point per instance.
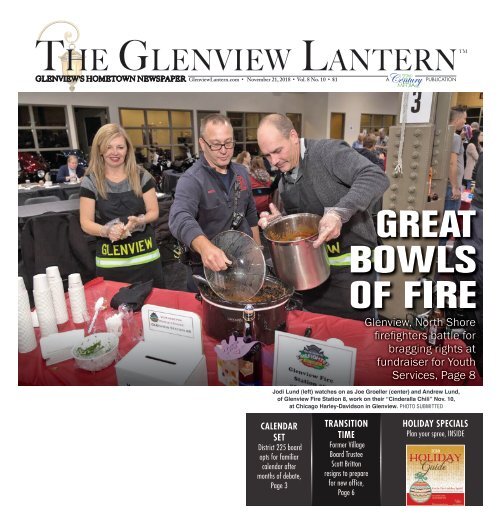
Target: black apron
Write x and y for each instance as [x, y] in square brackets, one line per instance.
[134, 259]
[333, 297]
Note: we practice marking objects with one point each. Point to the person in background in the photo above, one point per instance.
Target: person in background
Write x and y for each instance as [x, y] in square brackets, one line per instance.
[358, 144]
[369, 151]
[212, 196]
[71, 172]
[382, 140]
[330, 179]
[475, 240]
[261, 182]
[474, 148]
[118, 204]
[458, 117]
[244, 158]
[140, 158]
[466, 135]
[258, 172]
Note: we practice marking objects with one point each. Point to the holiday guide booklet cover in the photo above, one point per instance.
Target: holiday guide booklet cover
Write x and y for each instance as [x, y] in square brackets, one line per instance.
[435, 475]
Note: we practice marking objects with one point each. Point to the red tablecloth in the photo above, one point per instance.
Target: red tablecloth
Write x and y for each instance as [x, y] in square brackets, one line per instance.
[33, 370]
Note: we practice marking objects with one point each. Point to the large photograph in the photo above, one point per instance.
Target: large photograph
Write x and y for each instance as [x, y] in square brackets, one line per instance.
[325, 239]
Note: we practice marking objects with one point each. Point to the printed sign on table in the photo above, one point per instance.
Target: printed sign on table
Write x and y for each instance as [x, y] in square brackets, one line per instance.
[302, 361]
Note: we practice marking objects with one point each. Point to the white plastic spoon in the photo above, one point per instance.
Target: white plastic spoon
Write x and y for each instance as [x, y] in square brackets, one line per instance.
[97, 308]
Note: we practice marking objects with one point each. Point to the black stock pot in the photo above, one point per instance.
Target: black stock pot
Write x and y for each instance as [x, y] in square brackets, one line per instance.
[222, 318]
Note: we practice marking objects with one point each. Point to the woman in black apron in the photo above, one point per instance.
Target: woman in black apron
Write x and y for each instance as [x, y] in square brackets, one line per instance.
[117, 204]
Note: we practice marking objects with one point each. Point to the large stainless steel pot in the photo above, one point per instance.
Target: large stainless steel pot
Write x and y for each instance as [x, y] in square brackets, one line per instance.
[294, 258]
[221, 318]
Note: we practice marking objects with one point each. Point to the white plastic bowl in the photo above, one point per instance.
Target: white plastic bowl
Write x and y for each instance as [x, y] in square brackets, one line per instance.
[100, 359]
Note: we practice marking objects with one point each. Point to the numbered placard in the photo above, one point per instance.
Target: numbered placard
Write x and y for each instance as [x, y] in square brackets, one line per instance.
[418, 108]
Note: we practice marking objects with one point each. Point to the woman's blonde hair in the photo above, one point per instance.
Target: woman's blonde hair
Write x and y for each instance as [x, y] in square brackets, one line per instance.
[102, 139]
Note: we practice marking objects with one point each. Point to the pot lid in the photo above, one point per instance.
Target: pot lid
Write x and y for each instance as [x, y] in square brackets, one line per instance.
[243, 279]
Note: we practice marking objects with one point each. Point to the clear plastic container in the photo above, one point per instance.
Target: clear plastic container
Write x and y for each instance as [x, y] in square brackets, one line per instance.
[96, 352]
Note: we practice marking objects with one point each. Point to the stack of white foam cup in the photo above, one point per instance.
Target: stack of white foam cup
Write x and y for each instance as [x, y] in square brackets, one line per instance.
[57, 290]
[44, 305]
[26, 339]
[77, 299]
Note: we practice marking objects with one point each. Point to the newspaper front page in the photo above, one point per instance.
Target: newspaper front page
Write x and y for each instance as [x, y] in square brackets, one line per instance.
[392, 411]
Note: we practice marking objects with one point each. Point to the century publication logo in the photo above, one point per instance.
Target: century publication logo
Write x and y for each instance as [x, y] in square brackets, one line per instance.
[404, 80]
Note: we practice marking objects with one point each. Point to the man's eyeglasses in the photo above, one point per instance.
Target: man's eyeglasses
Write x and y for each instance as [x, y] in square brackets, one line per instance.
[217, 147]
